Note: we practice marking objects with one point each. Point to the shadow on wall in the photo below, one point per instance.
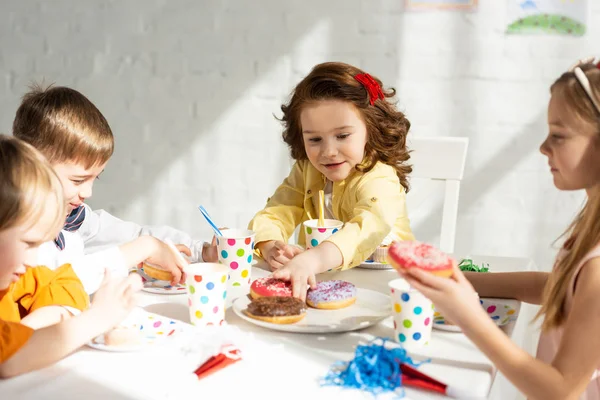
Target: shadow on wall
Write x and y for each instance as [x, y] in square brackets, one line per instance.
[163, 73]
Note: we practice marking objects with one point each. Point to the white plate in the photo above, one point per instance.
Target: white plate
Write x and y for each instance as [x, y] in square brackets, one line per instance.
[163, 287]
[374, 265]
[370, 308]
[98, 344]
[152, 285]
[154, 328]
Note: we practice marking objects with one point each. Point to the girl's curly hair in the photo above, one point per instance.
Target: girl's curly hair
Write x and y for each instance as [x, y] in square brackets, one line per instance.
[387, 127]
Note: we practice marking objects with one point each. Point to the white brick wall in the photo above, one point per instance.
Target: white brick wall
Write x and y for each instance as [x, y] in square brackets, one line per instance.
[190, 87]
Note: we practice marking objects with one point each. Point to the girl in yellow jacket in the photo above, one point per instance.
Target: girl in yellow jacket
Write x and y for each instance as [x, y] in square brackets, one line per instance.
[39, 306]
[350, 141]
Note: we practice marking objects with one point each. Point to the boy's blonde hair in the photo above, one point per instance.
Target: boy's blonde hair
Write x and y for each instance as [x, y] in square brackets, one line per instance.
[28, 186]
[584, 231]
[64, 125]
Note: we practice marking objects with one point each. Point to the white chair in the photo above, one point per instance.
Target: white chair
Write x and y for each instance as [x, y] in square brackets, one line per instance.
[441, 159]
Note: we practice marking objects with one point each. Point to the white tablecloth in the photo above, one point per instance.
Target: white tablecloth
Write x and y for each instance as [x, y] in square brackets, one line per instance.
[281, 365]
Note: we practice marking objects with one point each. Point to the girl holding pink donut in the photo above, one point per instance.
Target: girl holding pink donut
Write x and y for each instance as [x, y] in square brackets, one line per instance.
[567, 365]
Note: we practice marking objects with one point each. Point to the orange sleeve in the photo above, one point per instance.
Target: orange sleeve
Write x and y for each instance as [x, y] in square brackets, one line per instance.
[60, 287]
[13, 336]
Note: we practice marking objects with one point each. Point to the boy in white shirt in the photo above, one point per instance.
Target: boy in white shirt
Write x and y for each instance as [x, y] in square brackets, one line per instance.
[75, 137]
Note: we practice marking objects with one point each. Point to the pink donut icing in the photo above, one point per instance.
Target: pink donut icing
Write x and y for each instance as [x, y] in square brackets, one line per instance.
[267, 287]
[414, 254]
[331, 291]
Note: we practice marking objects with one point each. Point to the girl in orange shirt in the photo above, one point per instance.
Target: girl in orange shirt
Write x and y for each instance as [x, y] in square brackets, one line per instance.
[35, 301]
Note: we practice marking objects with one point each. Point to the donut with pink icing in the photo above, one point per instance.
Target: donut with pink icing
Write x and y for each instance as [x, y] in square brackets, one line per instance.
[414, 254]
[331, 295]
[269, 287]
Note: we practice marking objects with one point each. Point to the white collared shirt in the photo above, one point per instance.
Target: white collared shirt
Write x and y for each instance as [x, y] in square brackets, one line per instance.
[94, 247]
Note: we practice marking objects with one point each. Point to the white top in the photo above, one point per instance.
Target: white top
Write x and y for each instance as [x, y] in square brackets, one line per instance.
[88, 267]
[94, 246]
[101, 230]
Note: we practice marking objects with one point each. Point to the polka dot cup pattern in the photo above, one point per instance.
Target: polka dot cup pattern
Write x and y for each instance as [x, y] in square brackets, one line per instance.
[236, 250]
[413, 315]
[501, 311]
[207, 289]
[315, 234]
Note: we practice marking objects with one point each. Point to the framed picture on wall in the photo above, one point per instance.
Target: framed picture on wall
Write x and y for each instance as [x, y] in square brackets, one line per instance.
[440, 4]
[564, 17]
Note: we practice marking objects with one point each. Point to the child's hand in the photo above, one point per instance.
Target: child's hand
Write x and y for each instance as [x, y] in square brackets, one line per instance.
[277, 253]
[116, 298]
[453, 297]
[210, 252]
[163, 256]
[301, 272]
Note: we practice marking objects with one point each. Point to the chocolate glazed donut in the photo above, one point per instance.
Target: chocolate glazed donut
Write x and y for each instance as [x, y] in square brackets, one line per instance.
[277, 310]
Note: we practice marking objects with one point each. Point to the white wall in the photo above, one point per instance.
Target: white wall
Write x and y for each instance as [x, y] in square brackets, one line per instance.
[190, 88]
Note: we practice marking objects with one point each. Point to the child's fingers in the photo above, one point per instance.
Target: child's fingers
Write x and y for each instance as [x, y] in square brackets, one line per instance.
[299, 288]
[425, 290]
[133, 287]
[458, 275]
[288, 252]
[281, 258]
[312, 281]
[122, 286]
[282, 246]
[427, 279]
[274, 264]
[135, 282]
[184, 249]
[106, 277]
[175, 270]
[282, 273]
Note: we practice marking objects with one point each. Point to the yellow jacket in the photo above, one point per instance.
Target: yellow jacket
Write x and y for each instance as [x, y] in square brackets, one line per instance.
[371, 205]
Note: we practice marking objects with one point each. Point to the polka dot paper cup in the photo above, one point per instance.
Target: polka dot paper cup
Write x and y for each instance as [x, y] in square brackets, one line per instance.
[501, 311]
[236, 249]
[316, 234]
[207, 289]
[413, 315]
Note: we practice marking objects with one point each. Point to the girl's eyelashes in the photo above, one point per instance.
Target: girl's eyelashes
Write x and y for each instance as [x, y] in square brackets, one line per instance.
[341, 136]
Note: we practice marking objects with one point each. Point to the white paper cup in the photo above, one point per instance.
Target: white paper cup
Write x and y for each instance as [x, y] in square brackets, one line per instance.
[236, 250]
[413, 315]
[316, 234]
[207, 289]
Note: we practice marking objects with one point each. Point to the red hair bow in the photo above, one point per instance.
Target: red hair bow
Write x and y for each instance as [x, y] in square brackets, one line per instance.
[372, 87]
